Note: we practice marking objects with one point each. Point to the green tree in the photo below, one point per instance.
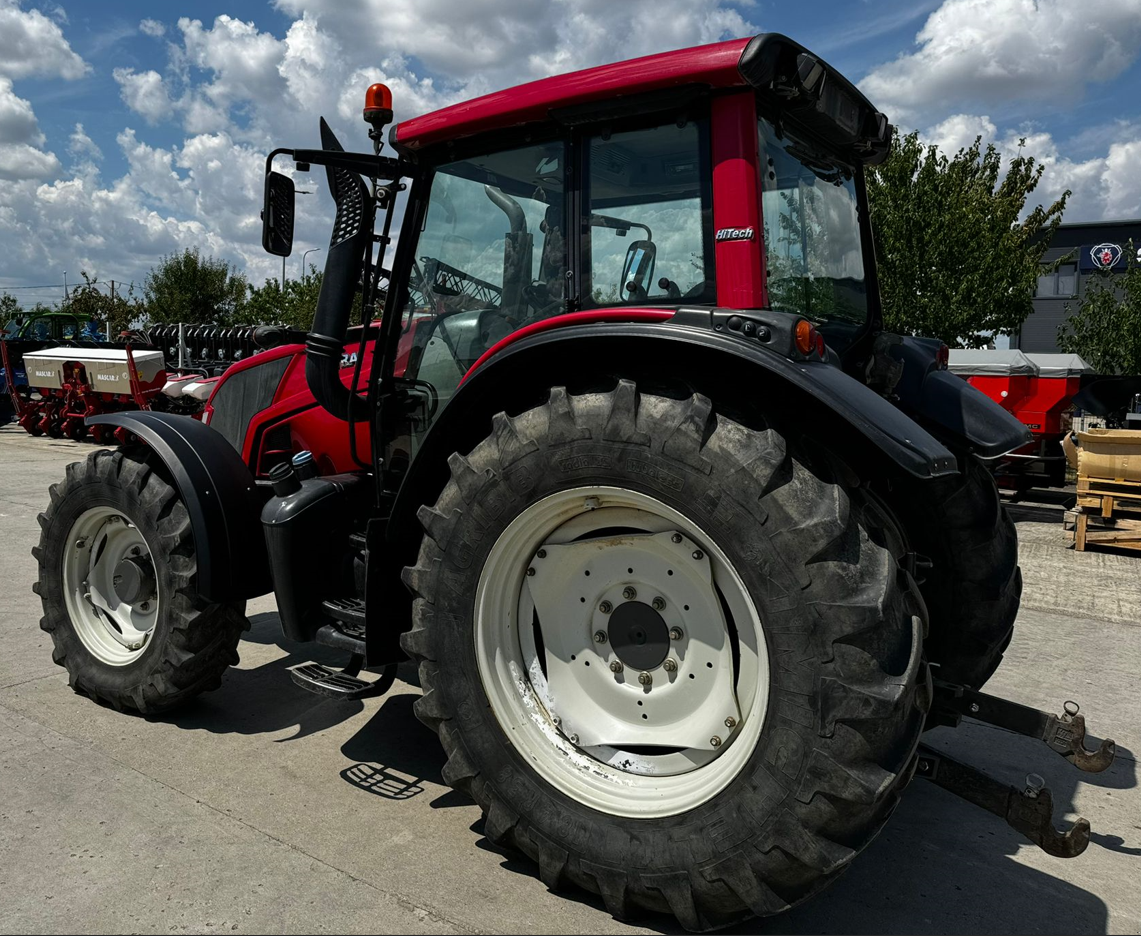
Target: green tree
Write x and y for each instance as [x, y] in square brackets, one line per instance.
[186, 287]
[1106, 329]
[93, 301]
[9, 308]
[294, 306]
[955, 261]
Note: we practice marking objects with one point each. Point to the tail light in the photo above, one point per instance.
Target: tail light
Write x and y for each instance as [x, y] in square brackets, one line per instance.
[942, 357]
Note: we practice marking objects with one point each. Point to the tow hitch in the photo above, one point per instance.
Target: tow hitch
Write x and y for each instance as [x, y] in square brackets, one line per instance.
[1030, 811]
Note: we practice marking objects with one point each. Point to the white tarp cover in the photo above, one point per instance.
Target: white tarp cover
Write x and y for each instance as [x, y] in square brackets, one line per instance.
[118, 355]
[970, 362]
[1060, 365]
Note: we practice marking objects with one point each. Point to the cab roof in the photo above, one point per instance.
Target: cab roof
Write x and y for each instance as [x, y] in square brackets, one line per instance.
[712, 66]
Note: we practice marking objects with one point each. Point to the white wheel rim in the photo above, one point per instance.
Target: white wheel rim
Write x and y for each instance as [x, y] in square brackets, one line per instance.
[115, 631]
[594, 734]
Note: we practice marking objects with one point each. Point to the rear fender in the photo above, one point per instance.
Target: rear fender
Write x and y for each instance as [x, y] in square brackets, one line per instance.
[807, 399]
[951, 407]
[220, 496]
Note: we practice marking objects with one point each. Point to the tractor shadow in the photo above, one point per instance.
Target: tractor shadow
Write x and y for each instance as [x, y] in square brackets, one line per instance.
[394, 754]
[942, 865]
[264, 700]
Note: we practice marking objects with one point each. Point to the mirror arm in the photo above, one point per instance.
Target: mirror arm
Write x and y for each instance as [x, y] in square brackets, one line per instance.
[367, 164]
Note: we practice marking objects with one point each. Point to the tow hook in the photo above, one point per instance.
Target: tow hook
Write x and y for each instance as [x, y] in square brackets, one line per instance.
[1064, 734]
[1029, 811]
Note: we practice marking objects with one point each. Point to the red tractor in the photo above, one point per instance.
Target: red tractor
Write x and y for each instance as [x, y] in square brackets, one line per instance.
[688, 550]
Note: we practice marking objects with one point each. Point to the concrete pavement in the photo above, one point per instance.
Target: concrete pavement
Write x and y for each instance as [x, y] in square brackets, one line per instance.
[262, 808]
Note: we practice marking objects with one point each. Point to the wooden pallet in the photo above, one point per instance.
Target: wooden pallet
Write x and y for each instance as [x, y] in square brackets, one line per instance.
[1086, 526]
[1109, 498]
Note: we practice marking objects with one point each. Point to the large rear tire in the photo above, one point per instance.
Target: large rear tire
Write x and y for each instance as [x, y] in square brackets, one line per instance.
[974, 586]
[797, 612]
[117, 572]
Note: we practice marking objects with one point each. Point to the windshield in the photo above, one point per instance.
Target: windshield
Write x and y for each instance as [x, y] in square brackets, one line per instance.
[813, 255]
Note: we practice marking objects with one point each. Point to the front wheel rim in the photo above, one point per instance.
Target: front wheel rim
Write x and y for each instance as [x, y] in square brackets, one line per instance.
[110, 586]
[633, 713]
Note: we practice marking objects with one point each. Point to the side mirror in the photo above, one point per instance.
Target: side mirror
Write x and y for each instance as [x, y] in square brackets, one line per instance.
[638, 269]
[277, 215]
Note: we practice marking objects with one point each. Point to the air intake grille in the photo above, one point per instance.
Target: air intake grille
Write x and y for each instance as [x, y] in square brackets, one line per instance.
[349, 194]
[243, 395]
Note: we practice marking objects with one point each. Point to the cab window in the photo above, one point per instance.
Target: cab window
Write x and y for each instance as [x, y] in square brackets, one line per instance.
[647, 234]
[491, 258]
[814, 254]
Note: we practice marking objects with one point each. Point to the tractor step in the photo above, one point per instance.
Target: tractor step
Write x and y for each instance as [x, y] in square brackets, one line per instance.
[347, 632]
[342, 684]
[345, 610]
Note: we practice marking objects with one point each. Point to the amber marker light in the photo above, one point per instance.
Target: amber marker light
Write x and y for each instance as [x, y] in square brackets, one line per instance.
[805, 337]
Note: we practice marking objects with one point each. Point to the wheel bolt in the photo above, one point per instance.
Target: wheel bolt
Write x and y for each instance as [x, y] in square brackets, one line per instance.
[730, 722]
[675, 633]
[600, 636]
[659, 604]
[606, 607]
[573, 739]
[531, 571]
[698, 554]
[629, 593]
[670, 666]
[80, 544]
[715, 741]
[676, 538]
[616, 666]
[542, 554]
[645, 678]
[556, 721]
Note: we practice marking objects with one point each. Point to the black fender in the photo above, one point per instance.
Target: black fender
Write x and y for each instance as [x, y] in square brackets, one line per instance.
[220, 496]
[966, 417]
[806, 398]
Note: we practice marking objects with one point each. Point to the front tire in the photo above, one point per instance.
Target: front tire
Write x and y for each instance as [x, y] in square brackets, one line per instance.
[821, 650]
[117, 572]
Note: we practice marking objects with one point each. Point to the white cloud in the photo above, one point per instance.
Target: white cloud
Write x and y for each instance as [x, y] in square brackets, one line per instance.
[242, 60]
[151, 27]
[81, 145]
[1103, 186]
[21, 139]
[1000, 52]
[483, 45]
[33, 44]
[959, 131]
[18, 123]
[145, 93]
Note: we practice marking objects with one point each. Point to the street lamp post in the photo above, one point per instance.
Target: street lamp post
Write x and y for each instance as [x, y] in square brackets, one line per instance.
[303, 256]
[299, 192]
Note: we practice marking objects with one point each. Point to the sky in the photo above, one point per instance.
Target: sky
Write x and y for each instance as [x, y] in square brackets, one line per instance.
[130, 130]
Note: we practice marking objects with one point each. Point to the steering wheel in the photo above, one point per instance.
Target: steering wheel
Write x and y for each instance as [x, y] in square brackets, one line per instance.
[538, 297]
